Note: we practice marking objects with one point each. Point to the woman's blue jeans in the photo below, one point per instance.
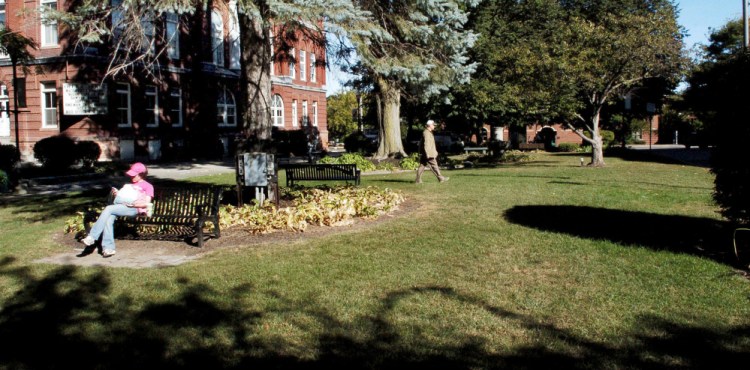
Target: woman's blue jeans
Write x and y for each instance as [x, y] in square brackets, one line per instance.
[103, 225]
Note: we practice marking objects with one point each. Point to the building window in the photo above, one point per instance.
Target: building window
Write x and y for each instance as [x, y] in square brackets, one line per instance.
[312, 67]
[295, 119]
[217, 38]
[148, 24]
[2, 23]
[20, 91]
[49, 27]
[122, 107]
[315, 113]
[175, 107]
[305, 117]
[173, 35]
[277, 110]
[226, 109]
[292, 64]
[49, 105]
[152, 106]
[2, 14]
[234, 37]
[302, 65]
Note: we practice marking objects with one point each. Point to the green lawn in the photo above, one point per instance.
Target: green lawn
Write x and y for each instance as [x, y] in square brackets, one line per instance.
[543, 264]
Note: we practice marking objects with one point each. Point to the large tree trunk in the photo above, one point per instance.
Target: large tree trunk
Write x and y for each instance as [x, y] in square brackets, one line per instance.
[256, 79]
[597, 147]
[390, 125]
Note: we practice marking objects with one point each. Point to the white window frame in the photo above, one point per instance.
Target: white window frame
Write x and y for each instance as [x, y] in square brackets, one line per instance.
[172, 28]
[49, 30]
[302, 65]
[226, 108]
[123, 91]
[48, 105]
[295, 118]
[152, 110]
[313, 74]
[277, 110]
[315, 113]
[305, 117]
[217, 38]
[292, 64]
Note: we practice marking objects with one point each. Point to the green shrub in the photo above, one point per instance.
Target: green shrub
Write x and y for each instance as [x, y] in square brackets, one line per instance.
[568, 147]
[362, 163]
[88, 152]
[410, 163]
[513, 156]
[4, 182]
[56, 152]
[9, 156]
[608, 137]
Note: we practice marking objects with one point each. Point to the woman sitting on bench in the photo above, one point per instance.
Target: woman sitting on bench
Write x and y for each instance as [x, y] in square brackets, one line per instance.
[131, 200]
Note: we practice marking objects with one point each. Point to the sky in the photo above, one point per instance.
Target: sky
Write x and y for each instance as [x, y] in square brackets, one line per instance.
[697, 16]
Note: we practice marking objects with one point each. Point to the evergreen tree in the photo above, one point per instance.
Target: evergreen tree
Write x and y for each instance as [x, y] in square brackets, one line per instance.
[420, 47]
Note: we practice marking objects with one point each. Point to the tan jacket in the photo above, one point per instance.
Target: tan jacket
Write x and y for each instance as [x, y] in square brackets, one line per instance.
[428, 144]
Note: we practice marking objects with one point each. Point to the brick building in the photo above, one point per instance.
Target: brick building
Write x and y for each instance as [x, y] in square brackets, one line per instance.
[187, 107]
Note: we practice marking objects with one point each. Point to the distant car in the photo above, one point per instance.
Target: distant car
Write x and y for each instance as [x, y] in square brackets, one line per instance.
[372, 135]
[448, 142]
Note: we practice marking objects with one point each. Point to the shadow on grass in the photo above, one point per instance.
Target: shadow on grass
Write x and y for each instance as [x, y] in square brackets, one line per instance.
[65, 319]
[41, 207]
[681, 234]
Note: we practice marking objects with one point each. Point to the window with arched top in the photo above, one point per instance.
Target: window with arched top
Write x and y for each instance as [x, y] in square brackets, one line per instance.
[226, 109]
[277, 110]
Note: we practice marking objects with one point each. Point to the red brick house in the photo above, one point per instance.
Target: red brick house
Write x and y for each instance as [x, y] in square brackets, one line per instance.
[189, 110]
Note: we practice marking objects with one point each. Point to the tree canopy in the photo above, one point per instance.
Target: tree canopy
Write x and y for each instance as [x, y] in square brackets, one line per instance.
[564, 60]
[422, 51]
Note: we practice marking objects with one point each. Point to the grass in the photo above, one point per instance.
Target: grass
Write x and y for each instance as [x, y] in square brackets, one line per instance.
[539, 264]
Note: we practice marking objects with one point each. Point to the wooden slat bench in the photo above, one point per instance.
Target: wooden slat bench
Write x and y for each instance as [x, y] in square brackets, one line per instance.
[321, 172]
[179, 213]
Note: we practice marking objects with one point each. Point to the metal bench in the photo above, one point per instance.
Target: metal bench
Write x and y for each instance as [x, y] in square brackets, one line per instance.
[179, 214]
[321, 172]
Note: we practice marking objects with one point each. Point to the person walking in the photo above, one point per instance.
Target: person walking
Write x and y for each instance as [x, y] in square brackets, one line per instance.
[131, 200]
[428, 154]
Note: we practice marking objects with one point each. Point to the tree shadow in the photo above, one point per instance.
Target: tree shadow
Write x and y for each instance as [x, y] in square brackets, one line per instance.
[71, 318]
[680, 234]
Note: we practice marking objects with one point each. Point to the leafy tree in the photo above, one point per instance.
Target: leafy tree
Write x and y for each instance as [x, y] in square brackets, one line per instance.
[716, 93]
[341, 120]
[136, 52]
[421, 51]
[565, 60]
[17, 47]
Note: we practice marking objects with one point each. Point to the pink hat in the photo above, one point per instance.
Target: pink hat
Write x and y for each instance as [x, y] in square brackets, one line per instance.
[136, 169]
